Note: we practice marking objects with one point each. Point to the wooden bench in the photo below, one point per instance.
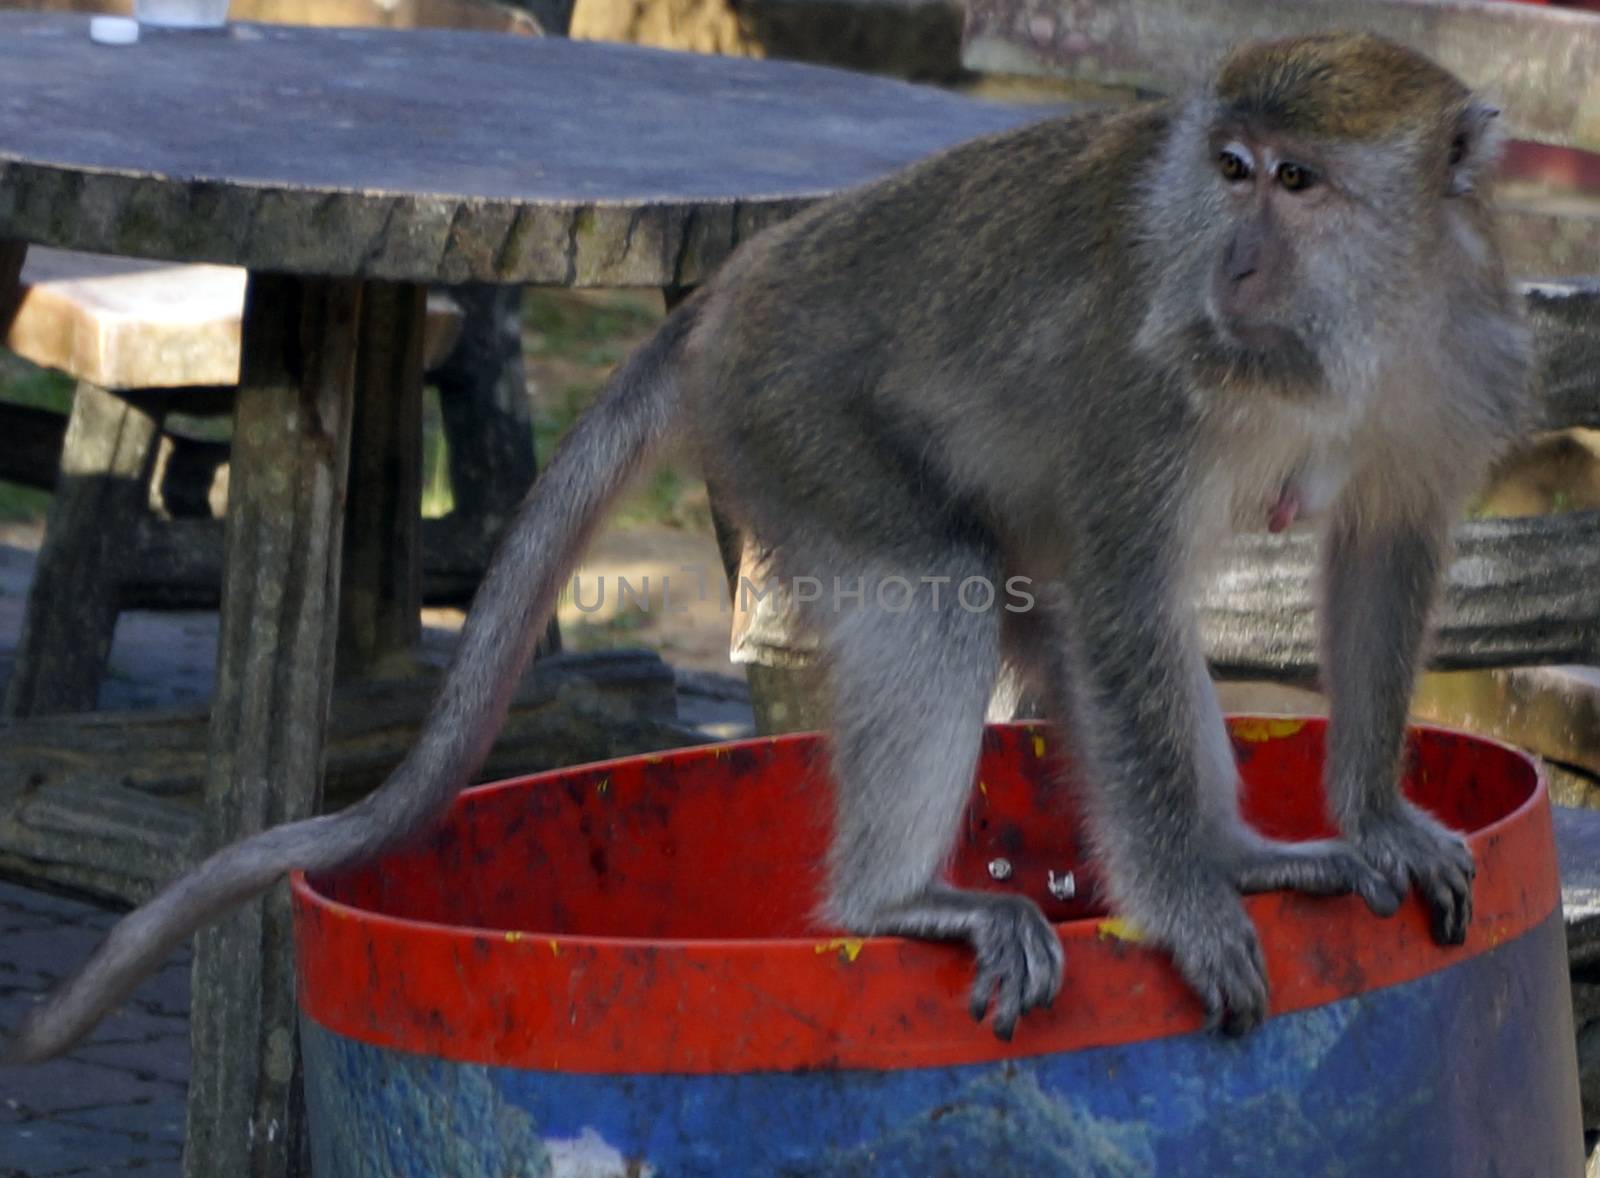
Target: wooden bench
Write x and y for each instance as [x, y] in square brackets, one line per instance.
[142, 339]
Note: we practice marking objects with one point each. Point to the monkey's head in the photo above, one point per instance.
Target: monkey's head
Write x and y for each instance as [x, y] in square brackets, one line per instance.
[1308, 206]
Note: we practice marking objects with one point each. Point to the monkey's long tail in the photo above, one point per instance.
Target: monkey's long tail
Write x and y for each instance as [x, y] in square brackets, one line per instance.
[518, 594]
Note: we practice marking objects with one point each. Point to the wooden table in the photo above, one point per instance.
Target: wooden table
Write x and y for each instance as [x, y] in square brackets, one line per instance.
[346, 169]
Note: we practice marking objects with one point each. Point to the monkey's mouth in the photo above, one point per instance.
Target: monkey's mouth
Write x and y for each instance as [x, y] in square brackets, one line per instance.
[1230, 351]
[1256, 336]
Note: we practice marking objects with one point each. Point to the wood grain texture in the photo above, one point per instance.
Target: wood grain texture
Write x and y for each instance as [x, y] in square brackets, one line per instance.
[434, 156]
[380, 595]
[1519, 592]
[100, 497]
[291, 445]
[121, 323]
[108, 801]
[1541, 63]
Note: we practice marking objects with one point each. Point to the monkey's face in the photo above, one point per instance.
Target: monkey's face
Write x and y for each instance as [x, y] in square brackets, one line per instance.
[1256, 267]
[1300, 207]
[1275, 200]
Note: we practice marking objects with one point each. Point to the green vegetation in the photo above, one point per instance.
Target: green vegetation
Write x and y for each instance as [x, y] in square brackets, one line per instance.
[23, 384]
[572, 340]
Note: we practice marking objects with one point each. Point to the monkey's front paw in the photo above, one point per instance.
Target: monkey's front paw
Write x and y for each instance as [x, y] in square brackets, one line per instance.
[1406, 846]
[1216, 949]
[1019, 961]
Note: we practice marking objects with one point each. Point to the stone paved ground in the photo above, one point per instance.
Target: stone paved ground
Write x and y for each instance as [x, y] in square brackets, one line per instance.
[116, 1105]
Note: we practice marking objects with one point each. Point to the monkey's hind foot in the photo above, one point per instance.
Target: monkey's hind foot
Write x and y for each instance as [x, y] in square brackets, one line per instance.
[1325, 867]
[1216, 949]
[1406, 846]
[1018, 951]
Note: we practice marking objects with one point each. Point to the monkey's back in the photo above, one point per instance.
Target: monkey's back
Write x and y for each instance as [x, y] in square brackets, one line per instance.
[935, 312]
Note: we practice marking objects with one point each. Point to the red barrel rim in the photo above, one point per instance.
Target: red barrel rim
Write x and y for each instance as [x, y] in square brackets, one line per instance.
[626, 1004]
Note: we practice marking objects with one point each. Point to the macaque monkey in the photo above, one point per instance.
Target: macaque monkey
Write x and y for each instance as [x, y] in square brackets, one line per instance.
[1079, 352]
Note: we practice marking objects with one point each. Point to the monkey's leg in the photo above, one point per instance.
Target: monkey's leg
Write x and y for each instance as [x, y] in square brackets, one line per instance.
[1160, 778]
[1378, 588]
[908, 689]
[1319, 867]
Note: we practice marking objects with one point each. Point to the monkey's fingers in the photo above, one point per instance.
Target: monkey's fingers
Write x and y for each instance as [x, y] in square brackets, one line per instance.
[1219, 955]
[1325, 867]
[1408, 847]
[1381, 896]
[1019, 963]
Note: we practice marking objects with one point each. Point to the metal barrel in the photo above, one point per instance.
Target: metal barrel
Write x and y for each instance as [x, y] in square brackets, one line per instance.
[614, 969]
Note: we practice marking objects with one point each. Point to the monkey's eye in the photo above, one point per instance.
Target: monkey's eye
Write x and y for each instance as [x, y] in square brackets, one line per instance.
[1296, 177]
[1458, 150]
[1233, 166]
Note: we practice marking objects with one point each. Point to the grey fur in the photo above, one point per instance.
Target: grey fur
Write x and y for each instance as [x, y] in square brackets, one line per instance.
[1005, 361]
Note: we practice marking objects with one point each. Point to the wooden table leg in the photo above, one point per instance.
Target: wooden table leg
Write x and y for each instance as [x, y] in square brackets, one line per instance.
[381, 601]
[13, 254]
[291, 446]
[488, 422]
[102, 493]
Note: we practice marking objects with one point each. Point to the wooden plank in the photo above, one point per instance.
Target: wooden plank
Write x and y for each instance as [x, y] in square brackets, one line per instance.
[280, 585]
[488, 428]
[1566, 324]
[98, 836]
[483, 399]
[1541, 63]
[380, 599]
[13, 256]
[1550, 237]
[177, 564]
[1519, 592]
[123, 323]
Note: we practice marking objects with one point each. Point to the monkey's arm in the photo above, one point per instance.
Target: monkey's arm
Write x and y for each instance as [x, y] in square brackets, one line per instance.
[1163, 806]
[1379, 583]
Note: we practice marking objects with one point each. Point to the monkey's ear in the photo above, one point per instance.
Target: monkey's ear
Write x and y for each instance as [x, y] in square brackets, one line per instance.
[1474, 147]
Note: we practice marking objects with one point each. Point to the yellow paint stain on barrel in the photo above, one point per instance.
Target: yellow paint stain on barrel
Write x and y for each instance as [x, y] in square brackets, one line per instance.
[602, 785]
[1265, 728]
[555, 948]
[1038, 746]
[513, 937]
[983, 788]
[848, 947]
[1121, 928]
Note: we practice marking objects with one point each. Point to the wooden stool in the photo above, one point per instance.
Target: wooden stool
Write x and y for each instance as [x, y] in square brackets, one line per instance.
[143, 339]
